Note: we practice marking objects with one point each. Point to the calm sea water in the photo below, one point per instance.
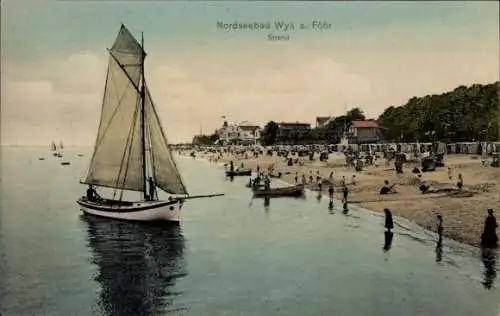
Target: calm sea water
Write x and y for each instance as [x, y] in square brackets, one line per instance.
[230, 256]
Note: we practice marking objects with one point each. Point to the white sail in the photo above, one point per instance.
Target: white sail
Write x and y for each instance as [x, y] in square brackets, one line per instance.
[166, 174]
[120, 148]
[117, 158]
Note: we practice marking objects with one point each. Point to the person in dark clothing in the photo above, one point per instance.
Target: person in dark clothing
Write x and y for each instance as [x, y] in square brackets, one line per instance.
[440, 225]
[460, 182]
[296, 177]
[388, 220]
[489, 238]
[90, 193]
[440, 230]
[330, 192]
[386, 189]
[388, 241]
[256, 182]
[152, 188]
[424, 187]
[231, 166]
[267, 183]
[346, 192]
[320, 186]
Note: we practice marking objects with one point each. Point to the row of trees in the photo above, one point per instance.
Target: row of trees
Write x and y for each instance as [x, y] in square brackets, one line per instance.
[464, 114]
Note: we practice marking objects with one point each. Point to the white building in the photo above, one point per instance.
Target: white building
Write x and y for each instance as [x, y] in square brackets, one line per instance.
[244, 133]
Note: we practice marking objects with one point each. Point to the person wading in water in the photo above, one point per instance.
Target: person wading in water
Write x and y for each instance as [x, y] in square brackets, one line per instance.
[330, 192]
[346, 192]
[388, 220]
[489, 238]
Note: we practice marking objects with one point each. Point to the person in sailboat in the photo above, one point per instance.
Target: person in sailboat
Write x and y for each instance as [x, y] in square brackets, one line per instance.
[92, 194]
[152, 189]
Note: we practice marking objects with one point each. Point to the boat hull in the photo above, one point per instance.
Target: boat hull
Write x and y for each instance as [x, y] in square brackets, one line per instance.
[247, 172]
[142, 211]
[295, 191]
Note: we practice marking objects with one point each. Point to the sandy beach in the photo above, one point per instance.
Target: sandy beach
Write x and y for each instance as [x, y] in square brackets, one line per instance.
[463, 213]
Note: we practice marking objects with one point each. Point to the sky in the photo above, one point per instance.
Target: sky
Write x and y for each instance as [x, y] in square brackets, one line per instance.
[372, 55]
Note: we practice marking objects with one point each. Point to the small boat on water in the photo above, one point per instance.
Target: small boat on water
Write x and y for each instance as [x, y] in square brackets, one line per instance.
[292, 191]
[239, 172]
[41, 158]
[65, 163]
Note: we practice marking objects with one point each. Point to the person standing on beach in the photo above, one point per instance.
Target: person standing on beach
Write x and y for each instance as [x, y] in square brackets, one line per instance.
[388, 220]
[489, 238]
[330, 192]
[296, 177]
[304, 181]
[460, 182]
[343, 180]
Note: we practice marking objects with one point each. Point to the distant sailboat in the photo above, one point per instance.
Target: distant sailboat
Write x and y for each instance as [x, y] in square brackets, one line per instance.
[131, 151]
[53, 146]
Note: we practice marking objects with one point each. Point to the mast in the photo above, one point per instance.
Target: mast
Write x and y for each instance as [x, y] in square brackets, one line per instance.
[143, 118]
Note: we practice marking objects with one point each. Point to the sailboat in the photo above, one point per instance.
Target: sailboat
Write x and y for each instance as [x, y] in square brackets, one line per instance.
[131, 152]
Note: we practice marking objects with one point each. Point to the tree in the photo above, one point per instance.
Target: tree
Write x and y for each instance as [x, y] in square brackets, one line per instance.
[205, 140]
[269, 133]
[355, 114]
[464, 114]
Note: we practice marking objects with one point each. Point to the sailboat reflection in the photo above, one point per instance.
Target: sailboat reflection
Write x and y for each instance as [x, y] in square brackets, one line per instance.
[137, 265]
[488, 256]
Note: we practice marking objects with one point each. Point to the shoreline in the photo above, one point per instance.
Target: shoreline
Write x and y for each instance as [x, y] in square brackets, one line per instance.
[463, 216]
[404, 224]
